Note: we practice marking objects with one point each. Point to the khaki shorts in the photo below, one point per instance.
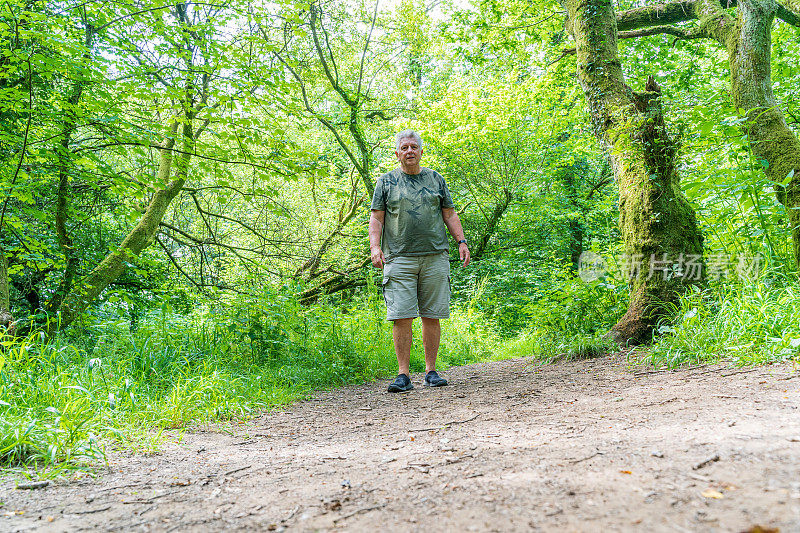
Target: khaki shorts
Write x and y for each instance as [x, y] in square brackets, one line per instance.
[416, 286]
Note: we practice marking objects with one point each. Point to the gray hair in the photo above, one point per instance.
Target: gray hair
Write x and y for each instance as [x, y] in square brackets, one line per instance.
[407, 134]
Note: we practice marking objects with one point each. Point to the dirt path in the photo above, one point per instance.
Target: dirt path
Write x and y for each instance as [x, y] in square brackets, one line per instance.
[577, 446]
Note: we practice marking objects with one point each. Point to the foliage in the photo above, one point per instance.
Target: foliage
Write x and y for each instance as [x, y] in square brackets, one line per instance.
[64, 401]
[746, 322]
[282, 117]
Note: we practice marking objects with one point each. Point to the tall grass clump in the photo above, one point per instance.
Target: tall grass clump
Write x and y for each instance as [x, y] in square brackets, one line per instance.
[746, 322]
[49, 403]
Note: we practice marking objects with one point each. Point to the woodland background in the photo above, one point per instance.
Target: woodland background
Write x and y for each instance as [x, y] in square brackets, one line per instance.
[185, 186]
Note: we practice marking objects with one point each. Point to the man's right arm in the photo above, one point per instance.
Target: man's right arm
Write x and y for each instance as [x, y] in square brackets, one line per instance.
[375, 230]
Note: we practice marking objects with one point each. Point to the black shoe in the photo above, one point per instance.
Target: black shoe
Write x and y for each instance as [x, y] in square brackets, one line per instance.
[432, 379]
[401, 384]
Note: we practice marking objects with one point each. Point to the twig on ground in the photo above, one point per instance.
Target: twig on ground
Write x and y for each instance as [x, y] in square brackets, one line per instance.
[660, 403]
[595, 454]
[33, 486]
[673, 370]
[228, 473]
[740, 372]
[291, 514]
[145, 510]
[90, 511]
[649, 372]
[359, 511]
[151, 499]
[445, 424]
[122, 486]
[705, 462]
[251, 440]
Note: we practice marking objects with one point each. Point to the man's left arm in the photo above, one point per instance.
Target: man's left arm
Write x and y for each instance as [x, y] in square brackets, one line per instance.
[453, 224]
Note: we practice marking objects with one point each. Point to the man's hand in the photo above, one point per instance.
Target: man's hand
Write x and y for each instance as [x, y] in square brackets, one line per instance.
[453, 224]
[377, 257]
[463, 254]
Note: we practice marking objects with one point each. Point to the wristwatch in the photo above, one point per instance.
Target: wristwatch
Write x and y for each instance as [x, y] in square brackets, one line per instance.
[462, 241]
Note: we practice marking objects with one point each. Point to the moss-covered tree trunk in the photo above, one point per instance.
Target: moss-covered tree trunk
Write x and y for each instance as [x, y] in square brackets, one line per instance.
[658, 226]
[748, 40]
[746, 37]
[140, 237]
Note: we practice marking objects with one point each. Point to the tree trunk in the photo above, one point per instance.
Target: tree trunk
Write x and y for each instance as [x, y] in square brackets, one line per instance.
[5, 300]
[772, 141]
[658, 226]
[492, 221]
[140, 237]
[68, 127]
[747, 39]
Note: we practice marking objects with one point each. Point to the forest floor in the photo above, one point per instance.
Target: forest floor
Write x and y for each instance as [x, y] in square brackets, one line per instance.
[509, 446]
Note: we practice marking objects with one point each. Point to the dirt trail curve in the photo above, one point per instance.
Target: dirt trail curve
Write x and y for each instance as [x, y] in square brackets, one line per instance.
[574, 446]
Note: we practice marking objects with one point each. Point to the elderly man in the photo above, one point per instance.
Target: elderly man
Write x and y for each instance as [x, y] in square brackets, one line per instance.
[410, 209]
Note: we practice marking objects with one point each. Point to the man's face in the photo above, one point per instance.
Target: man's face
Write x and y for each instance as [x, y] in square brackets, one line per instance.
[408, 152]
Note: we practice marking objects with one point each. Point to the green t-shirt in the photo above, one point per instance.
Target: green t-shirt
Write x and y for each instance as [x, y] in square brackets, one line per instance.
[413, 223]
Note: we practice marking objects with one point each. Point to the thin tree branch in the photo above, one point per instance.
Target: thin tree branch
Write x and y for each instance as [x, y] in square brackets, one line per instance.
[366, 47]
[177, 266]
[24, 145]
[322, 120]
[325, 67]
[680, 33]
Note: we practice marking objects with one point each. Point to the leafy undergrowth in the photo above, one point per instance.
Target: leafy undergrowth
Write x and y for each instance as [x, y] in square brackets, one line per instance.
[63, 401]
[571, 320]
[747, 323]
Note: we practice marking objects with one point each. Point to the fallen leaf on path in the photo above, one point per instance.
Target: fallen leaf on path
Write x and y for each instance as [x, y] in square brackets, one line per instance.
[332, 505]
[711, 493]
[625, 472]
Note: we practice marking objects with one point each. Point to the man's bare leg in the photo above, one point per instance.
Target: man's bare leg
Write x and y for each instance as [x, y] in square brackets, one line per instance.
[401, 335]
[431, 336]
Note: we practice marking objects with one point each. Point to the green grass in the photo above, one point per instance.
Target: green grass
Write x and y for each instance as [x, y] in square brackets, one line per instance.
[570, 321]
[748, 322]
[65, 401]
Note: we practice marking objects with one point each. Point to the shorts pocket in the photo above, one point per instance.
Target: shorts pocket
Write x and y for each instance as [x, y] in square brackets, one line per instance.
[385, 288]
